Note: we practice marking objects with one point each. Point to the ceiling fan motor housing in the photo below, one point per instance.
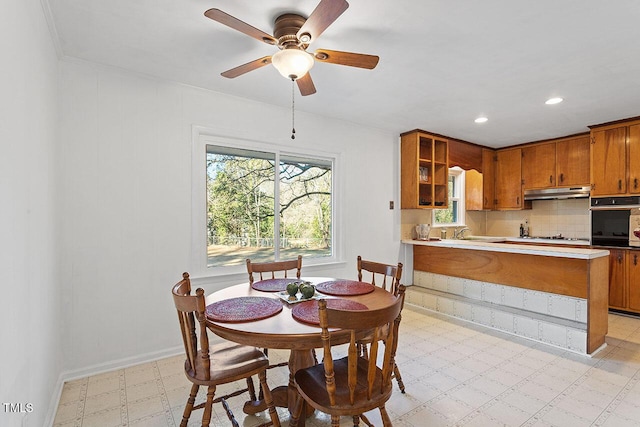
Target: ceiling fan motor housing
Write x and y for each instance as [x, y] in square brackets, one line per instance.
[286, 29]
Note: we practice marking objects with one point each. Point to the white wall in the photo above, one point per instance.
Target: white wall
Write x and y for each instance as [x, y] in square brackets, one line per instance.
[30, 359]
[126, 196]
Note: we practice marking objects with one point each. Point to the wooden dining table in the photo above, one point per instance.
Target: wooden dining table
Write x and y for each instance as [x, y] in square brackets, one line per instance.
[282, 331]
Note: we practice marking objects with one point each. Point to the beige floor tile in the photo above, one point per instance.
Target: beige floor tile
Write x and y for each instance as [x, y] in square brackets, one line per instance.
[561, 417]
[507, 415]
[104, 385]
[139, 374]
[66, 412]
[455, 374]
[101, 402]
[174, 381]
[157, 420]
[171, 365]
[70, 392]
[142, 390]
[523, 401]
[144, 408]
[108, 418]
[178, 396]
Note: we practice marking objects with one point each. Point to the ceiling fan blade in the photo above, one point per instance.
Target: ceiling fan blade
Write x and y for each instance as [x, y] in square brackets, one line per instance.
[306, 86]
[350, 59]
[245, 68]
[236, 24]
[322, 16]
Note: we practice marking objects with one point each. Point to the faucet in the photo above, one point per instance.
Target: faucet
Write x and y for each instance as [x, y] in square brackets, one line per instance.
[459, 233]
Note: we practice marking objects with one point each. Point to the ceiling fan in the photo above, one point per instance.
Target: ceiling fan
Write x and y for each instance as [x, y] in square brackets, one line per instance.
[292, 34]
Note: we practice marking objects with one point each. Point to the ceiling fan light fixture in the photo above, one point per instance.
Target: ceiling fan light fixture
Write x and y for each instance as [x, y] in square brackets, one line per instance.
[293, 63]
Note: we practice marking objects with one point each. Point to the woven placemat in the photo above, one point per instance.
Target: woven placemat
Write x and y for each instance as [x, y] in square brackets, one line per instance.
[243, 309]
[273, 285]
[345, 287]
[307, 312]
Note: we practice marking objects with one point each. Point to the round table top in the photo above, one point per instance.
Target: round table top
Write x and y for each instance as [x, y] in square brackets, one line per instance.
[282, 330]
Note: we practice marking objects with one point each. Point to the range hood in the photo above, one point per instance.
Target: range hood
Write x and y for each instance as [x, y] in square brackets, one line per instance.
[558, 193]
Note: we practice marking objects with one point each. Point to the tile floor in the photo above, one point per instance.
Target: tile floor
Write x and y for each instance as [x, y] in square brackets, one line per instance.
[456, 374]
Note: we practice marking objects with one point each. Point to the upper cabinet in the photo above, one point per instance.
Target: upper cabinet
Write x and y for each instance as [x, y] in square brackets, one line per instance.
[539, 165]
[560, 163]
[572, 161]
[488, 179]
[424, 173]
[508, 185]
[615, 159]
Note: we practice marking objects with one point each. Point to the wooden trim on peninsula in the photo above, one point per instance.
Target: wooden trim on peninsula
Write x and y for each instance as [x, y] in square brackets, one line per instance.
[564, 276]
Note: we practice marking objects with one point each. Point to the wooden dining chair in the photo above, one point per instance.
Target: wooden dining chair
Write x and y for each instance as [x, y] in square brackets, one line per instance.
[268, 270]
[352, 385]
[385, 274]
[213, 365]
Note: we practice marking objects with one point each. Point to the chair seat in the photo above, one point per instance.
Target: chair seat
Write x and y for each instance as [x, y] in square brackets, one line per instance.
[312, 383]
[229, 362]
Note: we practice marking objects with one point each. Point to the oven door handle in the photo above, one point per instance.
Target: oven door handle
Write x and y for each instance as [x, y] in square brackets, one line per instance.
[614, 207]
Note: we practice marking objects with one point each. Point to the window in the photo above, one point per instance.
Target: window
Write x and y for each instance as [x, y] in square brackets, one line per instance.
[454, 215]
[267, 206]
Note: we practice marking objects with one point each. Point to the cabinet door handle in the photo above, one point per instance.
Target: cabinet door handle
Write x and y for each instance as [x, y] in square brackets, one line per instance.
[635, 183]
[550, 179]
[619, 184]
[561, 177]
[635, 259]
[518, 200]
[619, 258]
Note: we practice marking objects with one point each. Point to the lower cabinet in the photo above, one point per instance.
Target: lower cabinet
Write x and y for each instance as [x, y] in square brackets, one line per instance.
[633, 278]
[624, 279]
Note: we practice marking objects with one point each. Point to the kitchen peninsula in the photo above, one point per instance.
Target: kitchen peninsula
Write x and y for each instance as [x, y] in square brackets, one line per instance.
[555, 295]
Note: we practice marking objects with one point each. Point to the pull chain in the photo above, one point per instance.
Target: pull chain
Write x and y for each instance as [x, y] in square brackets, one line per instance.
[293, 110]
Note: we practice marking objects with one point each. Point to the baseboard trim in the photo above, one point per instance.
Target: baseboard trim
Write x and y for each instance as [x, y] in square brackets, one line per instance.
[100, 368]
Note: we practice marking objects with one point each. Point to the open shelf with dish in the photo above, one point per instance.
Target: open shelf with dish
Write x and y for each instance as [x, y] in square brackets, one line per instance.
[424, 170]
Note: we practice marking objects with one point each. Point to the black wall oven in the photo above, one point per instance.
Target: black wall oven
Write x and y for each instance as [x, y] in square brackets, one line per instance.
[610, 220]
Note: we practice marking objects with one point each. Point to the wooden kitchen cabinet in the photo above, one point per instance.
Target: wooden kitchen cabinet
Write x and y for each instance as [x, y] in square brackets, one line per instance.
[608, 161]
[618, 278]
[424, 176]
[480, 187]
[559, 163]
[624, 279]
[615, 159]
[508, 181]
[488, 179]
[572, 161]
[633, 278]
[634, 159]
[539, 165]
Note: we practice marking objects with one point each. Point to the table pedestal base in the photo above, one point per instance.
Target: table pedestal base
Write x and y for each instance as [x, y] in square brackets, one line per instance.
[285, 396]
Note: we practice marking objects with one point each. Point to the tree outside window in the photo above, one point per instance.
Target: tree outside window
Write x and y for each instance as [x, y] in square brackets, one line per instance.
[259, 211]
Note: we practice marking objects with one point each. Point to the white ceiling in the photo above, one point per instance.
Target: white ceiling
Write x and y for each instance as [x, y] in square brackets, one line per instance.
[442, 63]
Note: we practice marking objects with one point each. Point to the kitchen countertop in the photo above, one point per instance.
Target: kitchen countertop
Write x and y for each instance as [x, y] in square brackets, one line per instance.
[514, 247]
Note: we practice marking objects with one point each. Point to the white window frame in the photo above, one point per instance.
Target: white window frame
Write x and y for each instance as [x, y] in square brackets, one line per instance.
[459, 175]
[203, 136]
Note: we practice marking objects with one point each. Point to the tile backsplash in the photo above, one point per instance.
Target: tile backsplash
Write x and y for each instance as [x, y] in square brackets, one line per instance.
[546, 218]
